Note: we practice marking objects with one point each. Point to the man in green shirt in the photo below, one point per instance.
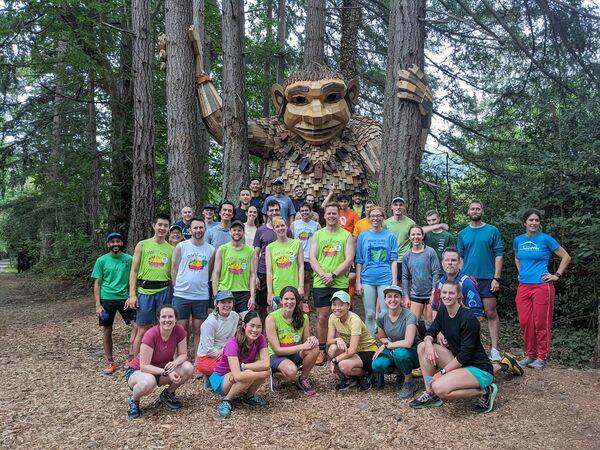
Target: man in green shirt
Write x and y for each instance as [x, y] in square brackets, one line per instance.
[111, 281]
[331, 253]
[439, 239]
[150, 277]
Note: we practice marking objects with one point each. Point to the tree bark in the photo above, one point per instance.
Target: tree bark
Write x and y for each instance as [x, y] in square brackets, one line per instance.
[235, 128]
[142, 192]
[93, 181]
[281, 41]
[351, 17]
[314, 45]
[183, 138]
[266, 108]
[401, 149]
[597, 352]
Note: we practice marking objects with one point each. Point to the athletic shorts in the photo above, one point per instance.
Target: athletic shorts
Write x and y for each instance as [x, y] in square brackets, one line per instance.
[111, 307]
[216, 383]
[422, 301]
[261, 295]
[322, 296]
[148, 305]
[485, 288]
[307, 267]
[197, 308]
[278, 359]
[399, 270]
[205, 365]
[130, 371]
[483, 378]
[241, 301]
[367, 360]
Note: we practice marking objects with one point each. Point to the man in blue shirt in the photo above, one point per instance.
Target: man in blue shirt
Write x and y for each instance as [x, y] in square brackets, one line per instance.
[480, 247]
[287, 206]
[186, 219]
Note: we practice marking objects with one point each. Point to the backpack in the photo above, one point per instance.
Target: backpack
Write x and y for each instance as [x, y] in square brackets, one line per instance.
[461, 280]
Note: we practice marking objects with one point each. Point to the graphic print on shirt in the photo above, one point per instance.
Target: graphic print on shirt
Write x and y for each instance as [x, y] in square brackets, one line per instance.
[285, 261]
[378, 253]
[197, 263]
[529, 246]
[159, 261]
[304, 235]
[236, 266]
[332, 249]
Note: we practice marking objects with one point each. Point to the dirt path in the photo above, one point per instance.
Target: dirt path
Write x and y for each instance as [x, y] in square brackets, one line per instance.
[54, 397]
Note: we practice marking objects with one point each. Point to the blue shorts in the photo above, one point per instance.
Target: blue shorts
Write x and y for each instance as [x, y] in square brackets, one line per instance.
[275, 360]
[148, 305]
[307, 267]
[216, 383]
[483, 378]
[484, 288]
[197, 308]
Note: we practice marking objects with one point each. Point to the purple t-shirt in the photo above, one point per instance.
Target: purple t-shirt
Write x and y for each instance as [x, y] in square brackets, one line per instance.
[232, 349]
[163, 350]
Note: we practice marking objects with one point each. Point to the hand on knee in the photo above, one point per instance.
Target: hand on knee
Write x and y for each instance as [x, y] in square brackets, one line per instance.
[186, 370]
[345, 367]
[421, 348]
[332, 351]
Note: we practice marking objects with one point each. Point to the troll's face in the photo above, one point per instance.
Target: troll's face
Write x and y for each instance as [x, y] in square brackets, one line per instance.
[316, 110]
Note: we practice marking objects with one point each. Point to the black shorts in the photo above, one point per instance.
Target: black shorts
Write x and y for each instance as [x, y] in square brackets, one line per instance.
[322, 296]
[261, 295]
[111, 307]
[399, 270]
[485, 288]
[422, 301]
[241, 301]
[367, 359]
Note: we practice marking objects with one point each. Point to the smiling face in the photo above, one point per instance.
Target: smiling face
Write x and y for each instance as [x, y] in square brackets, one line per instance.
[288, 302]
[339, 308]
[253, 329]
[175, 237]
[236, 233]
[449, 294]
[376, 217]
[209, 214]
[398, 208]
[198, 228]
[255, 186]
[332, 215]
[161, 227]
[224, 307]
[226, 212]
[245, 196]
[305, 213]
[115, 245]
[532, 223]
[299, 192]
[280, 227]
[187, 214]
[416, 236]
[252, 214]
[167, 319]
[393, 300]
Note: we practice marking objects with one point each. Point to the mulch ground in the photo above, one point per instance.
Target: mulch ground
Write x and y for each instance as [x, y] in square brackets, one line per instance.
[53, 396]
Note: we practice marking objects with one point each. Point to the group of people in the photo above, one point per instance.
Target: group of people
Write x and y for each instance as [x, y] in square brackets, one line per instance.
[265, 261]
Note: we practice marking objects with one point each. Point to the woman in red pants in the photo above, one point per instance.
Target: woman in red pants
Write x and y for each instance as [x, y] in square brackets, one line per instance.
[535, 294]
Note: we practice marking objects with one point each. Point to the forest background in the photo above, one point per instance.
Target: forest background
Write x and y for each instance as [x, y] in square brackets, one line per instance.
[515, 121]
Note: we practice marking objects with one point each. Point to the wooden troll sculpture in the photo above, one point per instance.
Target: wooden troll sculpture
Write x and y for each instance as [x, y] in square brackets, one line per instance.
[314, 140]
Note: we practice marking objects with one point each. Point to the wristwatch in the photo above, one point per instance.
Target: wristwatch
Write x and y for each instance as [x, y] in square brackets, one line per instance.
[334, 361]
[165, 374]
[386, 343]
[498, 279]
[558, 274]
[242, 367]
[333, 275]
[443, 371]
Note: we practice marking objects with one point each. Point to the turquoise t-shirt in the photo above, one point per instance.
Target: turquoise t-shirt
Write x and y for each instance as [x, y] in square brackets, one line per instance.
[534, 253]
[113, 273]
[478, 247]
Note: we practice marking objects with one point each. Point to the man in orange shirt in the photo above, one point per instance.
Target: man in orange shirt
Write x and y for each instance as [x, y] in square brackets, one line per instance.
[348, 217]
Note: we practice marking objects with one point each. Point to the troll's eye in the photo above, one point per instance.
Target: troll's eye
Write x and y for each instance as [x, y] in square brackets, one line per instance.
[299, 100]
[334, 96]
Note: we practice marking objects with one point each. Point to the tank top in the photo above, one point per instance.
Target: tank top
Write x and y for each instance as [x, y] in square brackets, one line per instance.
[286, 333]
[193, 272]
[331, 252]
[155, 264]
[235, 268]
[304, 231]
[284, 264]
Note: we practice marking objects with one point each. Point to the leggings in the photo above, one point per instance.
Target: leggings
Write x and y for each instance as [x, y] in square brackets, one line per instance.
[370, 294]
[402, 359]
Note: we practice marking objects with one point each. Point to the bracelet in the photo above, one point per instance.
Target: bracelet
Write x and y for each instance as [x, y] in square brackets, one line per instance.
[164, 374]
[558, 274]
[242, 367]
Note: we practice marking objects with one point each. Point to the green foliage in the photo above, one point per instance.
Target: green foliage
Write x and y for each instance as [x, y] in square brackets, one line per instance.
[573, 347]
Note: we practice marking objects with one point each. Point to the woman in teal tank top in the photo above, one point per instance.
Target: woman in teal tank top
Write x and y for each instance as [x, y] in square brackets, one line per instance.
[290, 345]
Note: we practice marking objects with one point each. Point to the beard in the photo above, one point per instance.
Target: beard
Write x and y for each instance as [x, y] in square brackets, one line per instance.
[116, 248]
[475, 217]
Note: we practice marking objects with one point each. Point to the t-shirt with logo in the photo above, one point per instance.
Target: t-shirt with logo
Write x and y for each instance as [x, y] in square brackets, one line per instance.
[284, 264]
[439, 241]
[304, 231]
[263, 237]
[287, 335]
[235, 268]
[155, 264]
[400, 228]
[331, 252]
[533, 253]
[353, 326]
[348, 219]
[192, 274]
[185, 229]
[113, 273]
[375, 250]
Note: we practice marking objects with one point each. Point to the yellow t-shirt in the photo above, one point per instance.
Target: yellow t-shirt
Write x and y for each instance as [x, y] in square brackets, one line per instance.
[353, 326]
[360, 226]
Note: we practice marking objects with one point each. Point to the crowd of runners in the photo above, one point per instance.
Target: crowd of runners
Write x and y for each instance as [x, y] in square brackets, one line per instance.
[245, 281]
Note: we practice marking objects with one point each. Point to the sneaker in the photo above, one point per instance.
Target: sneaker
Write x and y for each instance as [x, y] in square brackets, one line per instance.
[512, 365]
[322, 358]
[409, 389]
[198, 376]
[170, 400]
[109, 368]
[495, 355]
[303, 383]
[346, 383]
[537, 364]
[379, 381]
[364, 383]
[224, 408]
[426, 400]
[486, 402]
[417, 373]
[134, 408]
[305, 308]
[254, 400]
[276, 384]
[526, 361]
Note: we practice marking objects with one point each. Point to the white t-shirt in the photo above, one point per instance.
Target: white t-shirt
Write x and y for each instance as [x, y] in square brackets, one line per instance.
[192, 275]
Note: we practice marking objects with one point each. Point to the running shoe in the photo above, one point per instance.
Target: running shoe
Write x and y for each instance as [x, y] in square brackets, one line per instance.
[379, 381]
[537, 364]
[512, 365]
[364, 384]
[346, 383]
[486, 401]
[134, 408]
[526, 361]
[409, 389]
[109, 368]
[322, 358]
[417, 373]
[305, 307]
[303, 383]
[276, 384]
[254, 400]
[495, 355]
[426, 400]
[224, 408]
[170, 400]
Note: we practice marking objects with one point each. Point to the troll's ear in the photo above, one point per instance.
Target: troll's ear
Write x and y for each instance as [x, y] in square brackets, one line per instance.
[352, 92]
[278, 98]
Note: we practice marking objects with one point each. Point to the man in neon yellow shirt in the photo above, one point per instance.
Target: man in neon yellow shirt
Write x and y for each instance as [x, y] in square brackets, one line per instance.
[150, 277]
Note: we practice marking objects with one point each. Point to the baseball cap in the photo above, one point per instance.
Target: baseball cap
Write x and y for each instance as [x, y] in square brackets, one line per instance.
[341, 295]
[277, 180]
[392, 287]
[398, 199]
[237, 223]
[209, 206]
[113, 234]
[175, 227]
[224, 295]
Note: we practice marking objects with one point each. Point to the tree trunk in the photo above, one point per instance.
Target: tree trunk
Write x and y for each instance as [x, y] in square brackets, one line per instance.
[281, 41]
[597, 352]
[401, 149]
[183, 139]
[142, 191]
[235, 128]
[351, 17]
[93, 181]
[266, 109]
[314, 44]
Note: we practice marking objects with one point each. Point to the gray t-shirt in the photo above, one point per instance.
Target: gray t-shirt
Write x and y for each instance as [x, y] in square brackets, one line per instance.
[192, 276]
[218, 236]
[215, 331]
[395, 331]
[420, 273]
